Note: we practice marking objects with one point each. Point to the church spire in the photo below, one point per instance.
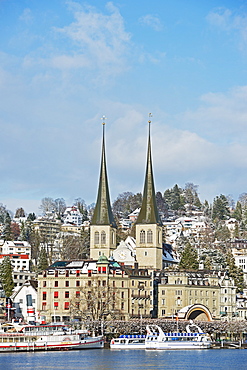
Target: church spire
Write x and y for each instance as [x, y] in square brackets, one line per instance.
[149, 212]
[103, 213]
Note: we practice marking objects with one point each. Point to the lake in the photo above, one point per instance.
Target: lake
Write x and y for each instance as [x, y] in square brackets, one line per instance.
[106, 359]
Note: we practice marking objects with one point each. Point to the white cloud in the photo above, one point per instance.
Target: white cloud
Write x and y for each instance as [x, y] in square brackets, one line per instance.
[229, 21]
[100, 39]
[26, 15]
[151, 21]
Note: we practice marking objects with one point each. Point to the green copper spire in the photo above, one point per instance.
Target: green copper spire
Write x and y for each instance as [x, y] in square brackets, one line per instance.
[103, 213]
[149, 212]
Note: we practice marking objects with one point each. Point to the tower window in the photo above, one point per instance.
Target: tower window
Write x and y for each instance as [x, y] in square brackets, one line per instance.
[103, 237]
[96, 237]
[142, 236]
[149, 236]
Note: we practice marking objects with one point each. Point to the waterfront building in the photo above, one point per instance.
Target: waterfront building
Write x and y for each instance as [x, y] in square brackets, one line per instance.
[204, 295]
[24, 300]
[64, 290]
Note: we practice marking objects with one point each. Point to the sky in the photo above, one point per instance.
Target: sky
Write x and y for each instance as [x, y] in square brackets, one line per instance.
[66, 64]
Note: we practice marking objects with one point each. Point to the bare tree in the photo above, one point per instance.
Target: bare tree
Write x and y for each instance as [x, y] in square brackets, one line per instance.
[47, 205]
[95, 301]
[74, 246]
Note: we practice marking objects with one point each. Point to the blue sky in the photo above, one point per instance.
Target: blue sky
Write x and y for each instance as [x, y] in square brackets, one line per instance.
[65, 64]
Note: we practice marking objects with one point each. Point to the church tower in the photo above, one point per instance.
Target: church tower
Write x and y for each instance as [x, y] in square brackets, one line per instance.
[148, 224]
[103, 226]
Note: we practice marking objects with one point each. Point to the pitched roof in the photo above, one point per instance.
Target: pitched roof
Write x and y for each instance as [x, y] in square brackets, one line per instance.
[149, 212]
[103, 213]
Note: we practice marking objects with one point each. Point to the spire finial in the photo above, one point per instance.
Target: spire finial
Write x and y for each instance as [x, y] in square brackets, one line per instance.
[103, 119]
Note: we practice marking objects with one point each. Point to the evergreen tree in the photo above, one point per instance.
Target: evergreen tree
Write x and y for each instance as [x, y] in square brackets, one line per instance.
[7, 232]
[235, 272]
[189, 258]
[238, 212]
[221, 209]
[20, 213]
[31, 217]
[6, 276]
[43, 260]
[222, 233]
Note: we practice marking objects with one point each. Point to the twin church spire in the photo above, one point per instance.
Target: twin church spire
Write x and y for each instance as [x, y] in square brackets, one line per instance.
[148, 224]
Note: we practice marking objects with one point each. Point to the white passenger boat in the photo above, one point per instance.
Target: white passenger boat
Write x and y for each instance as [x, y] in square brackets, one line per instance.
[128, 341]
[48, 337]
[156, 339]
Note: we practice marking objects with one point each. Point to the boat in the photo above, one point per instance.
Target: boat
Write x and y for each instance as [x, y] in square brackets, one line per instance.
[128, 341]
[156, 339]
[47, 337]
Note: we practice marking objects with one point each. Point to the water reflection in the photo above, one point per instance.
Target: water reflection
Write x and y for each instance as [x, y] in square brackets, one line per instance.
[125, 360]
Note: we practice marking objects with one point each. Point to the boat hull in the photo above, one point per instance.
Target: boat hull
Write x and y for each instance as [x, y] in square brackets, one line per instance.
[54, 343]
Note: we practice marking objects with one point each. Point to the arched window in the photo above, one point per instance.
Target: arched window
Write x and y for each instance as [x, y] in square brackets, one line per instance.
[96, 237]
[149, 236]
[103, 237]
[142, 236]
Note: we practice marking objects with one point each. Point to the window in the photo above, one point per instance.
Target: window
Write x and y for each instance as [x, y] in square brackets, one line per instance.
[43, 306]
[145, 253]
[149, 236]
[77, 294]
[104, 283]
[66, 305]
[89, 283]
[44, 296]
[103, 237]
[67, 273]
[163, 301]
[142, 236]
[163, 292]
[163, 312]
[55, 294]
[44, 283]
[122, 295]
[96, 237]
[56, 283]
[66, 295]
[55, 305]
[67, 283]
[113, 284]
[122, 284]
[77, 283]
[122, 306]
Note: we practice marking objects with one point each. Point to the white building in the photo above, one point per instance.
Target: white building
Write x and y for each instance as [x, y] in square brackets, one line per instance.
[73, 216]
[19, 253]
[25, 301]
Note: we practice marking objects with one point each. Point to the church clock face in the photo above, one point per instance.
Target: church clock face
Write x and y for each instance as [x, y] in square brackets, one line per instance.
[122, 255]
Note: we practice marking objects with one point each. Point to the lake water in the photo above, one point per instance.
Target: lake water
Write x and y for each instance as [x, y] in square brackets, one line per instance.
[107, 359]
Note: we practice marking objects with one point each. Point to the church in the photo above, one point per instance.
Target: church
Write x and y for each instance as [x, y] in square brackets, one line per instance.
[147, 249]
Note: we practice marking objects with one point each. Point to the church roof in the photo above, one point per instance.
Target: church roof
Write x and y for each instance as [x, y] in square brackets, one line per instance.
[149, 212]
[103, 213]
